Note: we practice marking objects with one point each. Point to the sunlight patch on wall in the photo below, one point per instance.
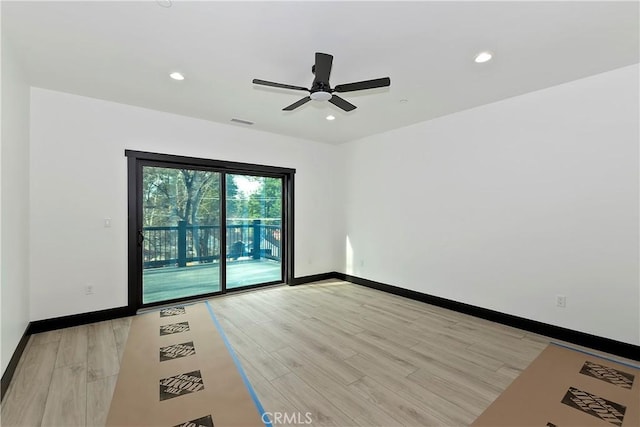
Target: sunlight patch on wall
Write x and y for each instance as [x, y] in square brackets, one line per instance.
[349, 257]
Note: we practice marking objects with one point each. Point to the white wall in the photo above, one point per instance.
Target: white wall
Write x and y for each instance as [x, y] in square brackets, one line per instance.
[79, 177]
[15, 204]
[507, 205]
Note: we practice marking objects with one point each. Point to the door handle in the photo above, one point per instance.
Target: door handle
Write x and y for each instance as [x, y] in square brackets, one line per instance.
[140, 237]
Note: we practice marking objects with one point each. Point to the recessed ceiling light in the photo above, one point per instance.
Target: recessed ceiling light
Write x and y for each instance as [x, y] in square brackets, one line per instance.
[164, 3]
[483, 57]
[176, 76]
[330, 117]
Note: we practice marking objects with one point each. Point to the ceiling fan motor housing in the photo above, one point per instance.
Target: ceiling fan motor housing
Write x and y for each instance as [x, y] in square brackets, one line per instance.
[320, 96]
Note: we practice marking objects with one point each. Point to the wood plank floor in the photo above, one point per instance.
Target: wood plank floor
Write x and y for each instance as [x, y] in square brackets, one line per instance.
[348, 355]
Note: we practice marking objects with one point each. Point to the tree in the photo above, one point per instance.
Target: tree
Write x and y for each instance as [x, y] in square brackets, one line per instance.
[173, 195]
[266, 202]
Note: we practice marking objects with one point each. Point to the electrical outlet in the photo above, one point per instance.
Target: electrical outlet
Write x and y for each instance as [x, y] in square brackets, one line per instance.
[561, 301]
[88, 290]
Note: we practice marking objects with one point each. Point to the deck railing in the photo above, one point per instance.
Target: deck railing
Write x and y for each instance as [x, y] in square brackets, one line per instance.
[186, 244]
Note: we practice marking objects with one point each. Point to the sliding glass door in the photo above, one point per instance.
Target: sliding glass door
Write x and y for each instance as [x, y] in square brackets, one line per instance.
[202, 228]
[180, 234]
[254, 230]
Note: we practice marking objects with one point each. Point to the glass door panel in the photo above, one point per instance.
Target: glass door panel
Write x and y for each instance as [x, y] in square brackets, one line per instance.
[181, 230]
[254, 230]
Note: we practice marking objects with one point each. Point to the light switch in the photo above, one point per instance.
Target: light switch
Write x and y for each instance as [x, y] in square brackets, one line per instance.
[107, 222]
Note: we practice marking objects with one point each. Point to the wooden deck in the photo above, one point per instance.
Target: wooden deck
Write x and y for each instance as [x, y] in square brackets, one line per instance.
[176, 282]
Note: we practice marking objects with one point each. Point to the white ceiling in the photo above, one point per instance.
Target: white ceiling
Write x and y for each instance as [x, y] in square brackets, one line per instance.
[124, 51]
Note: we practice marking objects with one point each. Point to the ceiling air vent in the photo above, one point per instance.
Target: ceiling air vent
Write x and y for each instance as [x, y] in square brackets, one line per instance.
[244, 122]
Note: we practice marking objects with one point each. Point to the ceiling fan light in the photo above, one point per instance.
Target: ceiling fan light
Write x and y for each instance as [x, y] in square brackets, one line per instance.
[483, 57]
[320, 96]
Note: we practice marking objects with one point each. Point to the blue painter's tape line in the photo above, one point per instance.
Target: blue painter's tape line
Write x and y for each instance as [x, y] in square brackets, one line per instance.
[263, 415]
[620, 362]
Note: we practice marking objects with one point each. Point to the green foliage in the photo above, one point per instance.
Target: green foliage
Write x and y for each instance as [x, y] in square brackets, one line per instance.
[172, 195]
[266, 202]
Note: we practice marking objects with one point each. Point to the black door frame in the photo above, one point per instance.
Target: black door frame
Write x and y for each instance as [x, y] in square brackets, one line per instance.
[137, 159]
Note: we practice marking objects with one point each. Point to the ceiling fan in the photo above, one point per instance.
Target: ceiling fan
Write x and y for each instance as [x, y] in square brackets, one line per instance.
[320, 88]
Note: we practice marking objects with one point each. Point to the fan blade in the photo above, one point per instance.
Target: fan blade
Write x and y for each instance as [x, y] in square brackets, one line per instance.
[297, 104]
[323, 67]
[341, 103]
[366, 84]
[280, 85]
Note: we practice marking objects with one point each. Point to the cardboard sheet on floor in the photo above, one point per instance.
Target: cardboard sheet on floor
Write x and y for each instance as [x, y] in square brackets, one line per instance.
[565, 387]
[176, 370]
